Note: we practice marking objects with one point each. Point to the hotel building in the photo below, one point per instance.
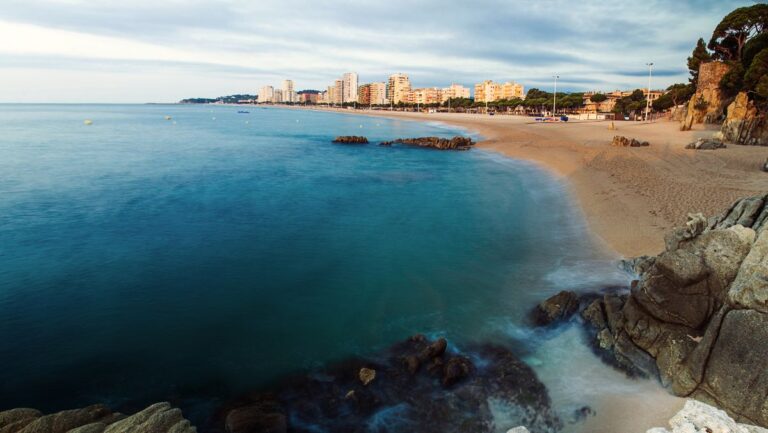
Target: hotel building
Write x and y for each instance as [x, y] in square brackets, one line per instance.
[288, 94]
[398, 88]
[427, 95]
[266, 94]
[455, 91]
[349, 87]
[488, 91]
[372, 94]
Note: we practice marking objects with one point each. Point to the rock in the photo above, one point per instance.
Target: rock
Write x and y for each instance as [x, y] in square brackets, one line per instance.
[446, 392]
[582, 413]
[620, 141]
[455, 143]
[350, 139]
[366, 375]
[455, 370]
[697, 417]
[15, 419]
[66, 420]
[750, 288]
[96, 427]
[518, 430]
[255, 419]
[743, 124]
[558, 308]
[706, 144]
[158, 418]
[697, 316]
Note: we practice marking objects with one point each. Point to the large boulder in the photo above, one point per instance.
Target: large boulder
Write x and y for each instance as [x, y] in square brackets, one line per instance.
[743, 124]
[158, 418]
[697, 315]
[706, 144]
[350, 139]
[698, 417]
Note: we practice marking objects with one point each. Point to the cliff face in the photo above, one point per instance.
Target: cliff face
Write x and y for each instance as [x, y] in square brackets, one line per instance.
[744, 124]
[706, 105]
[697, 316]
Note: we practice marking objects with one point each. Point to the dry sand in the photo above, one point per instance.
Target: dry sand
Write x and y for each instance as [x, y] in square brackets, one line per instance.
[629, 196]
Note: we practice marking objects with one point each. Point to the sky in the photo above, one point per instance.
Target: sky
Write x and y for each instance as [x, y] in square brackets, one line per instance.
[167, 50]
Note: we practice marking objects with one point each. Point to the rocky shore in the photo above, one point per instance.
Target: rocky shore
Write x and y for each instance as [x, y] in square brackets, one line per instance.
[417, 385]
[696, 316]
[158, 418]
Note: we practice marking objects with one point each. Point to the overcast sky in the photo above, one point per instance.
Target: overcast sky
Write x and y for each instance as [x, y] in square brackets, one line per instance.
[166, 50]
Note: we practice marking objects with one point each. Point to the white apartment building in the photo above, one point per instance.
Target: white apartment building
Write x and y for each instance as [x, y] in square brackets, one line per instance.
[266, 94]
[349, 87]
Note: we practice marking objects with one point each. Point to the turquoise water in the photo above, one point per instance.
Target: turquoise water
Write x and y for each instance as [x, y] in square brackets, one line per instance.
[144, 259]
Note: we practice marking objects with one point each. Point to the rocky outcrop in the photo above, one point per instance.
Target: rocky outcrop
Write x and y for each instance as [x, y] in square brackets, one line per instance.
[698, 417]
[620, 141]
[697, 315]
[706, 105]
[558, 308]
[705, 144]
[455, 143]
[158, 418]
[350, 139]
[420, 385]
[744, 124]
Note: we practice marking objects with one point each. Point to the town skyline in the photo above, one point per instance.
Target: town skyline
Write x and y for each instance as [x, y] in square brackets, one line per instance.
[77, 51]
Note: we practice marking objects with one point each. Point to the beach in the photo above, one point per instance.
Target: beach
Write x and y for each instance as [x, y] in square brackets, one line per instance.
[630, 197]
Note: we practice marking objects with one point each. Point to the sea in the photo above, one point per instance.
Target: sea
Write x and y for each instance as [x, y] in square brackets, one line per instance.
[193, 252]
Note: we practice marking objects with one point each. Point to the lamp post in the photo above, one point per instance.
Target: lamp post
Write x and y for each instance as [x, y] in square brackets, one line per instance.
[554, 101]
[648, 101]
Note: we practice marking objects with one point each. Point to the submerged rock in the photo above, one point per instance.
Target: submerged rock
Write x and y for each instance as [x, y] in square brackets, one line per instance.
[558, 308]
[698, 417]
[350, 139]
[621, 141]
[455, 143]
[697, 316]
[445, 391]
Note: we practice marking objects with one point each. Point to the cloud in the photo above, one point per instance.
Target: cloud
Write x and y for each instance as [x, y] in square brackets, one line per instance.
[224, 43]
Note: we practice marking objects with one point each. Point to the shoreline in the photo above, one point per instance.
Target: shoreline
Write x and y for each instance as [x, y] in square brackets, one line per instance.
[629, 197]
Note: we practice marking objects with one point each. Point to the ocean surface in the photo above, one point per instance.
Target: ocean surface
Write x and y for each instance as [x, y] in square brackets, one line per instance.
[145, 259]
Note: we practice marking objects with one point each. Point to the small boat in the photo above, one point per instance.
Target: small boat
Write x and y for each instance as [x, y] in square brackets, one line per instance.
[243, 112]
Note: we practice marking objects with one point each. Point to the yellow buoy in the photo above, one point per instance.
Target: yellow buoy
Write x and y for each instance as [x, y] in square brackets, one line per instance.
[88, 122]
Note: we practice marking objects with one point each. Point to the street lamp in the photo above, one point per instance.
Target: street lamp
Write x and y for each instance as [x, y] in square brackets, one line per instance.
[554, 102]
[648, 102]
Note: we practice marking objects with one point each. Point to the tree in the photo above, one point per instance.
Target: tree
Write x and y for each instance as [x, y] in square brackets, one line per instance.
[733, 80]
[757, 70]
[700, 55]
[663, 102]
[753, 48]
[680, 93]
[598, 98]
[736, 28]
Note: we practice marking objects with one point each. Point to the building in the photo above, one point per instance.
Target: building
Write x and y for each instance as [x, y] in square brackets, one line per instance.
[455, 91]
[372, 94]
[288, 94]
[278, 96]
[487, 91]
[512, 90]
[322, 97]
[611, 98]
[266, 94]
[308, 97]
[398, 88]
[349, 87]
[425, 96]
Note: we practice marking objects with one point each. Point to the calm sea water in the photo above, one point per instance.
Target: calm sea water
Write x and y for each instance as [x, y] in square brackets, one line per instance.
[144, 259]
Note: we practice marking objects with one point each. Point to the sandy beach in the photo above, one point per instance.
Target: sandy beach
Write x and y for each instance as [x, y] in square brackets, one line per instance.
[630, 196]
